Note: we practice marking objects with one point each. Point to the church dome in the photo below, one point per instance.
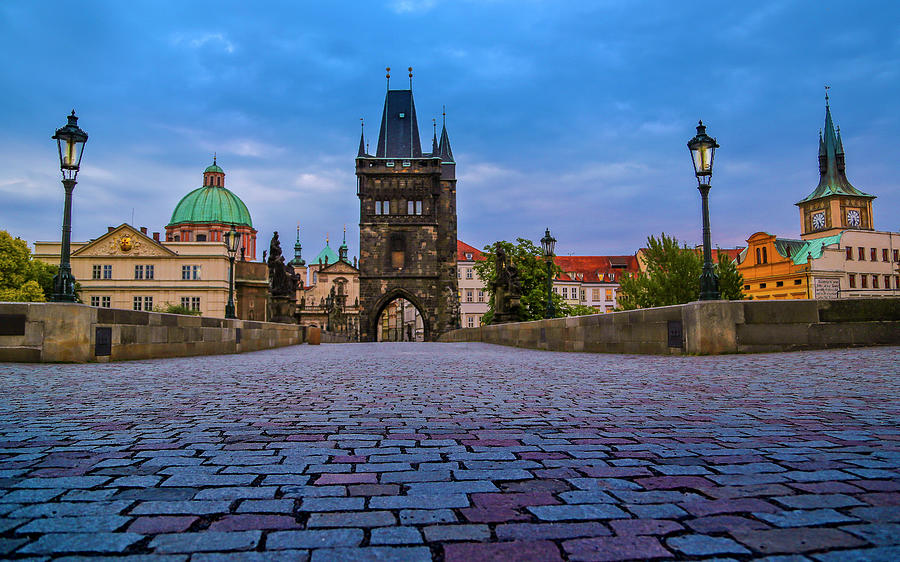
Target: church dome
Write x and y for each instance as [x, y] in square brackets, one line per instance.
[212, 203]
[327, 254]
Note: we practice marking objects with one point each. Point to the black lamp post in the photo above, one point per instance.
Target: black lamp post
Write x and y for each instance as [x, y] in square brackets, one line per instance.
[70, 141]
[231, 246]
[548, 244]
[703, 149]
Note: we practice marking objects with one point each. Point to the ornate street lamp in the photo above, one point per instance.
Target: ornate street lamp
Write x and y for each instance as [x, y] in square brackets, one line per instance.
[703, 149]
[231, 246]
[548, 244]
[70, 141]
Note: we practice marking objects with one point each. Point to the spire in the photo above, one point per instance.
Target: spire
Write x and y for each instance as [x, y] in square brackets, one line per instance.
[435, 151]
[399, 133]
[446, 152]
[362, 139]
[342, 250]
[297, 261]
[832, 176]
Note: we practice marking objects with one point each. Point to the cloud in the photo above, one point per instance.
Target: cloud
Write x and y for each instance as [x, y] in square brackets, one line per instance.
[412, 6]
[215, 40]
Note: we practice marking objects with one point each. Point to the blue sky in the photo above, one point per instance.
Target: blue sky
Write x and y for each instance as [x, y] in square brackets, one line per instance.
[572, 115]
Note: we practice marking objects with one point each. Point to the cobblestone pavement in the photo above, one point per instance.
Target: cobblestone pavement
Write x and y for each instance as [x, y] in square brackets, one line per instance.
[454, 452]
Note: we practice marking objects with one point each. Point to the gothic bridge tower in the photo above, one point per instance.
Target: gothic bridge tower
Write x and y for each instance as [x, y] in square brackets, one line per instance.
[407, 221]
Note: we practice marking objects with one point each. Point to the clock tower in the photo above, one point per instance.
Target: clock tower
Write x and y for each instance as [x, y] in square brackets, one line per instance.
[834, 205]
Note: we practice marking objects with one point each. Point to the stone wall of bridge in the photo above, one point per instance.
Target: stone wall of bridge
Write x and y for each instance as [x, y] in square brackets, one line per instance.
[707, 328]
[65, 332]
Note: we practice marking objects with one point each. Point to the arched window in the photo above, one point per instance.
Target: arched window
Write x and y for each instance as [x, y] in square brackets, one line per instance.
[758, 260]
[765, 257]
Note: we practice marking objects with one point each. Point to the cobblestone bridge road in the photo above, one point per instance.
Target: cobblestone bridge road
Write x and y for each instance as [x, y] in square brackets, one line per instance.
[455, 452]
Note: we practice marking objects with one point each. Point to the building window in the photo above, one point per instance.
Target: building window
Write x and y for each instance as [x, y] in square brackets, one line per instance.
[884, 254]
[762, 285]
[95, 273]
[468, 273]
[137, 301]
[896, 255]
[459, 273]
[797, 281]
[887, 281]
[765, 257]
[861, 253]
[190, 272]
[410, 207]
[195, 303]
[469, 295]
[105, 302]
[95, 301]
[758, 256]
[609, 294]
[107, 272]
[201, 238]
[873, 254]
[864, 281]
[468, 255]
[779, 283]
[148, 272]
[185, 302]
[418, 207]
[897, 281]
[849, 253]
[874, 281]
[565, 292]
[746, 287]
[470, 321]
[148, 303]
[555, 290]
[480, 295]
[139, 272]
[377, 207]
[852, 278]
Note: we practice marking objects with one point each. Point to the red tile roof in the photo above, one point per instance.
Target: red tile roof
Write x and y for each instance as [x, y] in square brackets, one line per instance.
[595, 269]
[462, 249]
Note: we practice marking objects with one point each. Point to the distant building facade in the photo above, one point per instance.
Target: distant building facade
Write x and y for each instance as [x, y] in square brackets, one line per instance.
[126, 268]
[328, 296]
[839, 253]
[473, 296]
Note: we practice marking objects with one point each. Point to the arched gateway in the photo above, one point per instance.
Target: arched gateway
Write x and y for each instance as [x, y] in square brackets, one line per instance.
[407, 222]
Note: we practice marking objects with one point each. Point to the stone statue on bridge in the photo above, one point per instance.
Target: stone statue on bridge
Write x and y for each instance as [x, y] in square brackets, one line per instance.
[283, 284]
[507, 289]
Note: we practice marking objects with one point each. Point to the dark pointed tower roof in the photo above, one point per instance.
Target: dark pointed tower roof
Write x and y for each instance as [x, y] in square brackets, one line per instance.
[446, 153]
[362, 145]
[298, 249]
[399, 134]
[832, 175]
[435, 151]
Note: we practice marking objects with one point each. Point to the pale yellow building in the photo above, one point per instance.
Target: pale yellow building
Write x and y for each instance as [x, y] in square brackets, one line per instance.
[125, 268]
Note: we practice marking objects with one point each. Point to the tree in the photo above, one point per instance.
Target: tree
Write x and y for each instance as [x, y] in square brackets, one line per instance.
[22, 278]
[529, 260]
[672, 276]
[731, 282]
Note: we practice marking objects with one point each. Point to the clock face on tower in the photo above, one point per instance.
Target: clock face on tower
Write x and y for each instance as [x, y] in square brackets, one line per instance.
[818, 221]
[853, 217]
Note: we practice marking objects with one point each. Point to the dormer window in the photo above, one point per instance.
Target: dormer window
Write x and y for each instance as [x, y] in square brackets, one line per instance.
[389, 163]
[406, 163]
[401, 115]
[468, 255]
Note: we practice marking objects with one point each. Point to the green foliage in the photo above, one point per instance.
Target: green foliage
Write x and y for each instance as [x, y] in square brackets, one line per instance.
[672, 276]
[22, 279]
[170, 308]
[731, 282]
[532, 274]
[579, 310]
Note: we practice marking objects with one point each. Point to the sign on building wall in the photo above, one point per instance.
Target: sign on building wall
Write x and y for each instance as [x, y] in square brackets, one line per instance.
[827, 288]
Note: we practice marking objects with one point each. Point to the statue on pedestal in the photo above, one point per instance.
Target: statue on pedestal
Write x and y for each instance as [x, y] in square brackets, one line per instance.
[507, 289]
[283, 284]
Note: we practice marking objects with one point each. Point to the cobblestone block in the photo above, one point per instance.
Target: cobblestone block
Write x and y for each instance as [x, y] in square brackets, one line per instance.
[704, 545]
[70, 509]
[351, 519]
[442, 533]
[63, 482]
[516, 550]
[656, 510]
[332, 504]
[813, 501]
[395, 535]
[372, 554]
[266, 506]
[268, 556]
[581, 511]
[540, 531]
[83, 524]
[419, 502]
[237, 493]
[313, 491]
[162, 524]
[789, 541]
[804, 518]
[444, 488]
[724, 524]
[712, 507]
[196, 507]
[325, 538]
[57, 543]
[883, 534]
[426, 516]
[615, 548]
[886, 553]
[253, 522]
[205, 541]
[645, 526]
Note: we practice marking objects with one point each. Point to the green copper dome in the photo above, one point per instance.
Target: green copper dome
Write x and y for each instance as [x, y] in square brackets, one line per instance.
[327, 254]
[214, 168]
[211, 204]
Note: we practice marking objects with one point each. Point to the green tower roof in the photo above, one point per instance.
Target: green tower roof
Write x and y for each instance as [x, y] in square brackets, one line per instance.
[214, 168]
[327, 254]
[211, 204]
